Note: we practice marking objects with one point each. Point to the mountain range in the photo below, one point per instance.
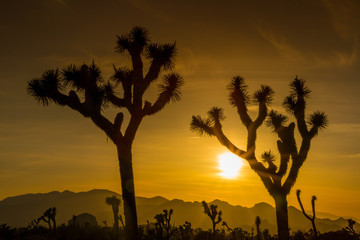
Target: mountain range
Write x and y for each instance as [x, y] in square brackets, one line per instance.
[19, 211]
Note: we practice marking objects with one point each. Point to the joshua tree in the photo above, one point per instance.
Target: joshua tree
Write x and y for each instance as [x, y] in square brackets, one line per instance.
[258, 232]
[270, 174]
[312, 219]
[48, 217]
[74, 83]
[114, 202]
[186, 231]
[213, 214]
[350, 227]
[163, 222]
[227, 226]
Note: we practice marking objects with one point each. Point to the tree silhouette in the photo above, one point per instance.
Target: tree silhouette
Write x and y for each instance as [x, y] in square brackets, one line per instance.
[257, 224]
[114, 202]
[89, 95]
[48, 217]
[163, 222]
[213, 214]
[291, 157]
[312, 219]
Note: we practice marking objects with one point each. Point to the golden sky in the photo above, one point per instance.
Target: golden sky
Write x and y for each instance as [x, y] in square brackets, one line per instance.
[266, 42]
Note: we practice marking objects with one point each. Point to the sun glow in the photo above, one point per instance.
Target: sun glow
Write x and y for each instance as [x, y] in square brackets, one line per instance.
[229, 165]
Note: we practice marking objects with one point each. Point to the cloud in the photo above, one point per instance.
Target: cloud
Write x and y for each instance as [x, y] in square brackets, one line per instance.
[344, 128]
[344, 17]
[355, 155]
[149, 9]
[282, 45]
[345, 59]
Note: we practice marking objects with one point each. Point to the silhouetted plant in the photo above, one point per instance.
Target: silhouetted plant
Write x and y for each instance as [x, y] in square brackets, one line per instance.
[270, 174]
[163, 222]
[226, 225]
[186, 231]
[34, 223]
[258, 232]
[311, 218]
[49, 216]
[121, 221]
[213, 214]
[85, 82]
[350, 227]
[114, 202]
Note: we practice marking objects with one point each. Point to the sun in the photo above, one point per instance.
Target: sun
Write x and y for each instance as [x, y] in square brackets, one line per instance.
[229, 165]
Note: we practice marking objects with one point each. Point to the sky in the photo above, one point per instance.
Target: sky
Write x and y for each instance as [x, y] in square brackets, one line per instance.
[267, 42]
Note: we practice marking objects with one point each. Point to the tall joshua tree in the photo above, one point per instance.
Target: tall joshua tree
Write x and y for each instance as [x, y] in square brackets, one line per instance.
[291, 157]
[82, 89]
[114, 202]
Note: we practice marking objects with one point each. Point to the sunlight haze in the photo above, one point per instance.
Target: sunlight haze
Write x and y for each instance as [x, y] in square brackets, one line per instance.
[43, 149]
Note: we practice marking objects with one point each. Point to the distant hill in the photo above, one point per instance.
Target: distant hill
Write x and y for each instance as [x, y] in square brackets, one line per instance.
[20, 210]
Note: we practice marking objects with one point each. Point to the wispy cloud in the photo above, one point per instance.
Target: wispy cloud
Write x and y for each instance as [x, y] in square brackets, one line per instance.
[144, 6]
[281, 44]
[344, 128]
[345, 59]
[355, 155]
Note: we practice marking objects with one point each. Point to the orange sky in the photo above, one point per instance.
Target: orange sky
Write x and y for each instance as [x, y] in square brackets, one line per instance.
[53, 148]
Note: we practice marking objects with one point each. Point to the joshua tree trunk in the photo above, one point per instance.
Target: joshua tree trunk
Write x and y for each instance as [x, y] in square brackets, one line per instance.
[282, 216]
[128, 191]
[214, 227]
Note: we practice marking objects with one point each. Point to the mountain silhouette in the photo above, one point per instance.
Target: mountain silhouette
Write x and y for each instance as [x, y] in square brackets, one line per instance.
[18, 211]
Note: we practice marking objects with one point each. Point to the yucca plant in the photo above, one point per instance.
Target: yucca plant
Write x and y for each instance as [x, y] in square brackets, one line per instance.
[311, 218]
[273, 176]
[213, 214]
[114, 202]
[83, 89]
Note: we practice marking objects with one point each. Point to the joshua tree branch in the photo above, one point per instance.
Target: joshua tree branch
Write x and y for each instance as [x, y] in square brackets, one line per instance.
[301, 205]
[217, 131]
[104, 124]
[244, 116]
[300, 117]
[153, 72]
[261, 115]
[133, 126]
[150, 109]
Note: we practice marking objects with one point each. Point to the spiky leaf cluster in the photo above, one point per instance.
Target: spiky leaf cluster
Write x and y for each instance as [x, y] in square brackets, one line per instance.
[318, 120]
[238, 92]
[171, 85]
[296, 101]
[265, 94]
[134, 41]
[275, 119]
[122, 75]
[268, 157]
[216, 114]
[201, 126]
[162, 54]
[298, 88]
[45, 89]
